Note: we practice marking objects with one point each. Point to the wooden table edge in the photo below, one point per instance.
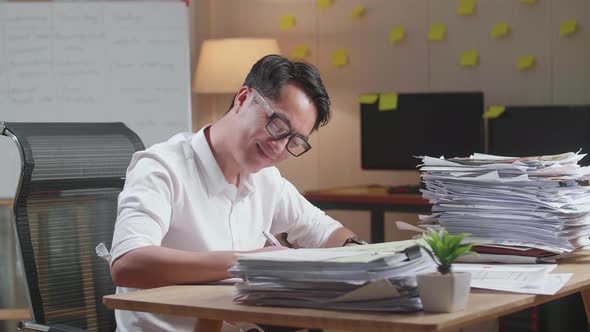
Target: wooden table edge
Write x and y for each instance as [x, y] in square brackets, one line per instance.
[15, 314]
[283, 319]
[300, 318]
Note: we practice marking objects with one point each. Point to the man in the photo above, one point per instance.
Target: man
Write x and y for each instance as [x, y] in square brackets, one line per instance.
[192, 204]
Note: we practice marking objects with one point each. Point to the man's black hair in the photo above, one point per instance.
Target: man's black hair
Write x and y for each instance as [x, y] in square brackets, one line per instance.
[269, 74]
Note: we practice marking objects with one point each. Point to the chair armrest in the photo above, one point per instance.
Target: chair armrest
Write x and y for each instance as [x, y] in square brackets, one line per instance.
[35, 327]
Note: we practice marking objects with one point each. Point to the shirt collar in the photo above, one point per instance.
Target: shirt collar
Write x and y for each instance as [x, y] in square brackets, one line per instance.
[212, 175]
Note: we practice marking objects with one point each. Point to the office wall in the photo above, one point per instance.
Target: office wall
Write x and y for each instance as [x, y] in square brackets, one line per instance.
[561, 74]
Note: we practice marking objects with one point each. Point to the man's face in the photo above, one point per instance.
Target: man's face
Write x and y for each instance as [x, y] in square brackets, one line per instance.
[258, 148]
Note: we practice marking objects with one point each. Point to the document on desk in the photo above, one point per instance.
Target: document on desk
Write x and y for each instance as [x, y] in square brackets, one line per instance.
[298, 255]
[354, 263]
[375, 277]
[548, 285]
[542, 202]
[524, 278]
[228, 281]
[514, 275]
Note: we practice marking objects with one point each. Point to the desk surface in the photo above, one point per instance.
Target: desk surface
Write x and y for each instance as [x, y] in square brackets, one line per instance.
[365, 194]
[6, 202]
[215, 303]
[14, 314]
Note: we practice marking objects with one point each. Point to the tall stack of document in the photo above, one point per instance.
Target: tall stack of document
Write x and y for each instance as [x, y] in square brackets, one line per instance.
[532, 203]
[376, 277]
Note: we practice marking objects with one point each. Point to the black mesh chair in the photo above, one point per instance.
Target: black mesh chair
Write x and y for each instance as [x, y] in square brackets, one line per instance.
[65, 205]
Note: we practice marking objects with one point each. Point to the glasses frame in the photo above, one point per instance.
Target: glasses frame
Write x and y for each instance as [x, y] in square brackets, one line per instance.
[272, 115]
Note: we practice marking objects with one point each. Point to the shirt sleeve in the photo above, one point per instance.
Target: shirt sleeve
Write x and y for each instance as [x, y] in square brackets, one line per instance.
[143, 215]
[305, 224]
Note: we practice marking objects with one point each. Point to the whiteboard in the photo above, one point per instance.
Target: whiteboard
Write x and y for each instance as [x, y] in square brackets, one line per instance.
[95, 62]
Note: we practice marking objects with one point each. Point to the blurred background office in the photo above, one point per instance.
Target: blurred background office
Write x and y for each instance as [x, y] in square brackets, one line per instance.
[516, 52]
[383, 46]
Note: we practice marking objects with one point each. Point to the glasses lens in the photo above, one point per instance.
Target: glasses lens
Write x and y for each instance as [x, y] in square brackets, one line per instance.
[297, 146]
[278, 128]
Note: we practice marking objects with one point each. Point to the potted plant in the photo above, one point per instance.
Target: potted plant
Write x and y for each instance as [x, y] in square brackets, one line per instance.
[444, 291]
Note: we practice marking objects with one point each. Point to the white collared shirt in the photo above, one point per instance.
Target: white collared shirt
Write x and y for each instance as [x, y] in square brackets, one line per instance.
[176, 196]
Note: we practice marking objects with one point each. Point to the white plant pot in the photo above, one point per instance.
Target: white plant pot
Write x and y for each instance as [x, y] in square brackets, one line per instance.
[444, 292]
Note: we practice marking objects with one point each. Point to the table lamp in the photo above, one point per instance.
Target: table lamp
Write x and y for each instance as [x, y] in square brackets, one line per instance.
[224, 63]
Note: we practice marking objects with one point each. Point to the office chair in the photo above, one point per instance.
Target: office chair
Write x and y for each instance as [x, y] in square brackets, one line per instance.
[65, 205]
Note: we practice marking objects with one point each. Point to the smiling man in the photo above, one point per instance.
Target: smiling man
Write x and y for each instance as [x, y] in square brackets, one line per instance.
[192, 204]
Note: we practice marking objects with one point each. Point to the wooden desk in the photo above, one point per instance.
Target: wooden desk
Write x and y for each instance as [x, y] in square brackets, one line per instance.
[211, 304]
[8, 203]
[14, 314]
[372, 198]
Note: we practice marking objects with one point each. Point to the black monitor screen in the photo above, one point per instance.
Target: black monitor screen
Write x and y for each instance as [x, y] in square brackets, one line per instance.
[432, 124]
[540, 130]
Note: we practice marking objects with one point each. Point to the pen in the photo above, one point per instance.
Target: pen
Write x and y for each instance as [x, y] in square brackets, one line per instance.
[271, 239]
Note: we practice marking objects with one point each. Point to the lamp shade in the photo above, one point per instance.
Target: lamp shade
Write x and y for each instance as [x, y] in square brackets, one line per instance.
[224, 63]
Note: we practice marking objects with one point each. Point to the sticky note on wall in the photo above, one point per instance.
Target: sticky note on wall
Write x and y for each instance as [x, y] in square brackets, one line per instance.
[530, 2]
[397, 34]
[300, 52]
[358, 11]
[387, 101]
[323, 4]
[287, 22]
[525, 62]
[500, 30]
[469, 58]
[368, 98]
[437, 32]
[340, 57]
[494, 112]
[466, 7]
[568, 27]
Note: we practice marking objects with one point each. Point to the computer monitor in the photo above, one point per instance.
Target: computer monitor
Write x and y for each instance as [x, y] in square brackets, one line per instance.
[540, 130]
[432, 124]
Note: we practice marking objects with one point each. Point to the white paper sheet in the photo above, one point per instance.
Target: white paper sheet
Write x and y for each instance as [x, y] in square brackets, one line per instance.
[530, 279]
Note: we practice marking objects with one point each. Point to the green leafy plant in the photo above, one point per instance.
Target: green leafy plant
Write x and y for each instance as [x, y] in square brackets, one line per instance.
[445, 248]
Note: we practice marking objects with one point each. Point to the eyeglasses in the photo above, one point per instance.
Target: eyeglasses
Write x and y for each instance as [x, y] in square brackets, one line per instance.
[279, 128]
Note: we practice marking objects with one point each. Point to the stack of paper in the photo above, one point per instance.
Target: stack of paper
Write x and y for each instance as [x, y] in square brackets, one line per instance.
[376, 277]
[529, 207]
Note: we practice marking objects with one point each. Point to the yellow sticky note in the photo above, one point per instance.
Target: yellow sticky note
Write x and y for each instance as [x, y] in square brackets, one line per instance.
[323, 4]
[466, 7]
[437, 31]
[530, 2]
[568, 27]
[287, 22]
[387, 101]
[494, 112]
[469, 58]
[500, 30]
[358, 11]
[368, 98]
[397, 34]
[300, 52]
[525, 62]
[339, 57]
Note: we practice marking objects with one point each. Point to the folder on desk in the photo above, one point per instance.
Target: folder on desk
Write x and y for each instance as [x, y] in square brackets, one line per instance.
[375, 277]
[510, 255]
